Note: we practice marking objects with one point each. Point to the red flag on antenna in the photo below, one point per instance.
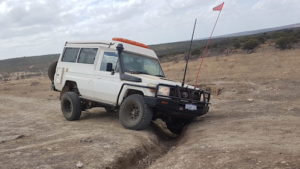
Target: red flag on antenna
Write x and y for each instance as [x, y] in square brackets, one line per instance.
[219, 7]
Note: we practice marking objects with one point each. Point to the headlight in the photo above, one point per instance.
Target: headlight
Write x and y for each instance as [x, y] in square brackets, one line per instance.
[163, 90]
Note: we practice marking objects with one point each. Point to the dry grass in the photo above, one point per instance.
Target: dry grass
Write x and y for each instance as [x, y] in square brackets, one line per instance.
[265, 63]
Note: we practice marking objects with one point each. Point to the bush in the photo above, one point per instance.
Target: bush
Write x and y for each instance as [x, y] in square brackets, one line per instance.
[261, 39]
[250, 45]
[285, 42]
[278, 34]
[196, 52]
[297, 34]
[237, 44]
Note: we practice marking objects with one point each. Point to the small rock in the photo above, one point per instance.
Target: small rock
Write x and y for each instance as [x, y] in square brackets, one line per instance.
[283, 162]
[86, 140]
[79, 164]
[34, 83]
[250, 100]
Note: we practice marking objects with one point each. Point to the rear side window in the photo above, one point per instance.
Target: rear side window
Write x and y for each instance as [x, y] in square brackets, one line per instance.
[87, 55]
[70, 55]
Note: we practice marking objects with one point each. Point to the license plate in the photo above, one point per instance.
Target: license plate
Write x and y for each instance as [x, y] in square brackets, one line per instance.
[191, 107]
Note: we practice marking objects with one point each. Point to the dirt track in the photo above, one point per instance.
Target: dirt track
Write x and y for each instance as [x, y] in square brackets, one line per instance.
[254, 123]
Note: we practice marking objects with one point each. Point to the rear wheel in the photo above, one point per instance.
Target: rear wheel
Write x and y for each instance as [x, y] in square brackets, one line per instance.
[71, 106]
[134, 113]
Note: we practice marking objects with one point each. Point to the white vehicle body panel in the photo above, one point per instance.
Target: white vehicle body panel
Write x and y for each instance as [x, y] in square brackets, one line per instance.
[104, 86]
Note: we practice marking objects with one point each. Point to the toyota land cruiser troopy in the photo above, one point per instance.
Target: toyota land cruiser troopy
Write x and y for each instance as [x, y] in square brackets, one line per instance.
[123, 76]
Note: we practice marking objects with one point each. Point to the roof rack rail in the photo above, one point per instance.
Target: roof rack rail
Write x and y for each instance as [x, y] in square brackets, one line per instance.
[102, 43]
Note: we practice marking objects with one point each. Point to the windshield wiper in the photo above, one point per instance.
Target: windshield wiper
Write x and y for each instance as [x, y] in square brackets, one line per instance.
[140, 72]
[137, 72]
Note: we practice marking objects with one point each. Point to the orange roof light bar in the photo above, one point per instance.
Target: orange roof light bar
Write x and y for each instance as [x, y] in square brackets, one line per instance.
[131, 42]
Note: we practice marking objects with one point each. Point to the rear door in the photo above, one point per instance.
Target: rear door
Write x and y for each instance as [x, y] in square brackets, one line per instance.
[78, 65]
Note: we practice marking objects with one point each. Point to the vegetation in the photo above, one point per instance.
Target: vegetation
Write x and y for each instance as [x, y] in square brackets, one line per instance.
[196, 52]
[250, 45]
[283, 39]
[285, 42]
[27, 64]
[237, 44]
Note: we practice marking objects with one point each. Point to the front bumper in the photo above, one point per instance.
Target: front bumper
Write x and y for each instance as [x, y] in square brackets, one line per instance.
[175, 103]
[175, 108]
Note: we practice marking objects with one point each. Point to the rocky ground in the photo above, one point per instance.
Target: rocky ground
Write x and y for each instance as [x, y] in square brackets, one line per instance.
[253, 123]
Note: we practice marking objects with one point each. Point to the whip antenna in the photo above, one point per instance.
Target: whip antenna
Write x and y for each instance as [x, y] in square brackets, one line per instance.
[188, 54]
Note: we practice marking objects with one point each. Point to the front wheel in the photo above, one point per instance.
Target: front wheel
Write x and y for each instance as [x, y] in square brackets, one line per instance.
[134, 113]
[71, 106]
[176, 125]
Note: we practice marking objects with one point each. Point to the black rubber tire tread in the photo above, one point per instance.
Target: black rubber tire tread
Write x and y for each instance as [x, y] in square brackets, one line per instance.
[74, 100]
[176, 126]
[51, 70]
[145, 111]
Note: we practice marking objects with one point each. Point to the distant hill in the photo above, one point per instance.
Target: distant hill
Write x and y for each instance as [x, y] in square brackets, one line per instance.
[166, 51]
[261, 31]
[27, 64]
[173, 48]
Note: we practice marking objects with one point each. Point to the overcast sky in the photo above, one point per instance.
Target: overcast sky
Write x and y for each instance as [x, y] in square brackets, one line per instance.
[34, 27]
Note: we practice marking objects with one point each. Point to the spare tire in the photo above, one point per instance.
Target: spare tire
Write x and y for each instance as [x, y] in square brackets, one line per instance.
[51, 70]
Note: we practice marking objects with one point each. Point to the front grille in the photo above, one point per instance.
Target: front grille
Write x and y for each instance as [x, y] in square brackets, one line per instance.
[187, 94]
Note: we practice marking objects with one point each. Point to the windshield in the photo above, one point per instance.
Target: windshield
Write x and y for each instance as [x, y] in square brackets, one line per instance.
[139, 64]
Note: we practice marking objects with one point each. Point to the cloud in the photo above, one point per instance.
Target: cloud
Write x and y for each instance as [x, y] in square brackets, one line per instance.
[32, 27]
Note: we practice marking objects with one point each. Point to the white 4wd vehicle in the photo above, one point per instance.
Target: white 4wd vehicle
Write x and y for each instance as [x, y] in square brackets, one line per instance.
[124, 76]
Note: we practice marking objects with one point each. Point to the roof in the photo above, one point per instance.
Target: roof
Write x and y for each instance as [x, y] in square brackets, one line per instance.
[113, 44]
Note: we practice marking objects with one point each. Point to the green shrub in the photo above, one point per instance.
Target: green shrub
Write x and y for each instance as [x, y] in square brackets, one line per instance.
[196, 52]
[250, 45]
[285, 42]
[279, 34]
[237, 44]
[297, 34]
[261, 39]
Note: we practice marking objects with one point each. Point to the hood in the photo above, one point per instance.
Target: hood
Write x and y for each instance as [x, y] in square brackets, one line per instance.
[154, 80]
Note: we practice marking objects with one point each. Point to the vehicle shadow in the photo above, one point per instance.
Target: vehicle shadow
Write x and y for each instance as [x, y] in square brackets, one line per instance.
[158, 127]
[98, 113]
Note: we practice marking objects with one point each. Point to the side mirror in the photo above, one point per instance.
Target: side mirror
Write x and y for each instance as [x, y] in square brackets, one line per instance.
[109, 67]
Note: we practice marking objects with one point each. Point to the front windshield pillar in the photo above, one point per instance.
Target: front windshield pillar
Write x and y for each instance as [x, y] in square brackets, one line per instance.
[124, 76]
[120, 49]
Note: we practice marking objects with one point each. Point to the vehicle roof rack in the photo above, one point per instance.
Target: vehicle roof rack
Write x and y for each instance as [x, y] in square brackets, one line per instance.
[101, 43]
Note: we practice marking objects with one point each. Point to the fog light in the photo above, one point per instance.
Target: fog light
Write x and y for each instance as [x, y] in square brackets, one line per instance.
[164, 102]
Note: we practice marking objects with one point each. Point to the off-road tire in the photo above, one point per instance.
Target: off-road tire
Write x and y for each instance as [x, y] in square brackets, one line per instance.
[134, 113]
[71, 106]
[176, 126]
[51, 70]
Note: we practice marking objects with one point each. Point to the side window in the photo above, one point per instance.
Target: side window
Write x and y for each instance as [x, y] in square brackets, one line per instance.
[87, 55]
[70, 55]
[109, 57]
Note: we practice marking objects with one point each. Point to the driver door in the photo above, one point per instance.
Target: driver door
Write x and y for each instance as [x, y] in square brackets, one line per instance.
[107, 83]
